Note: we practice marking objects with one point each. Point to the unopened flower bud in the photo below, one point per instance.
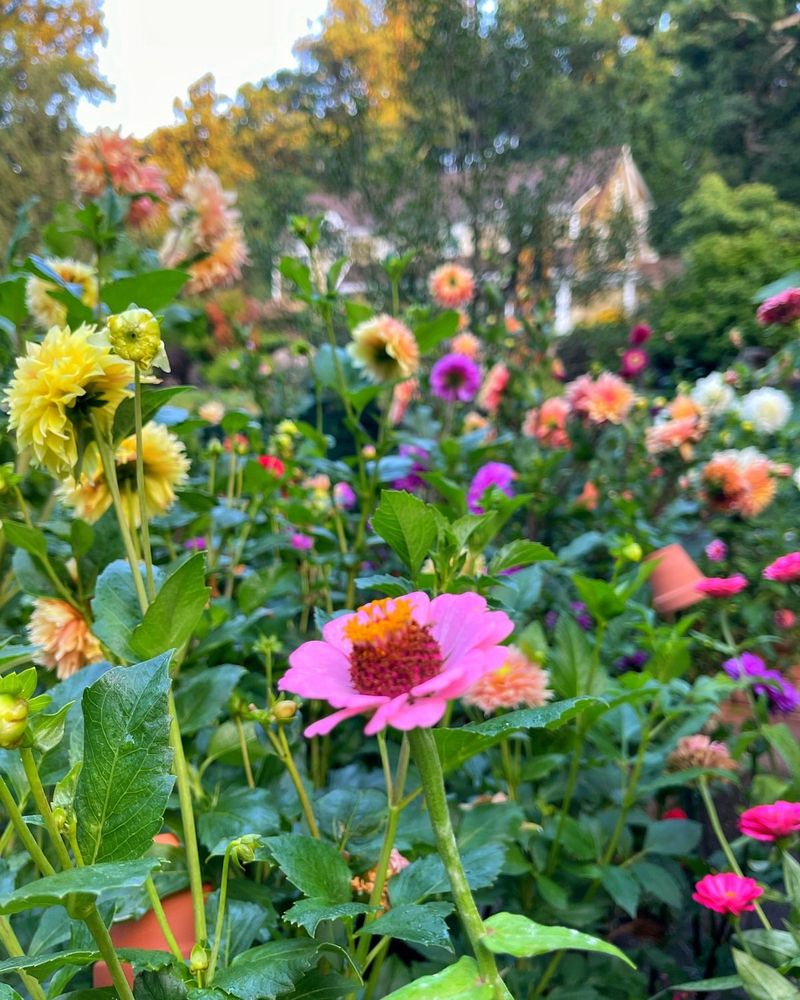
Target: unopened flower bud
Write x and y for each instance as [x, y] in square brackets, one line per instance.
[13, 720]
[632, 551]
[215, 447]
[60, 818]
[198, 960]
[8, 477]
[284, 711]
[243, 850]
[136, 336]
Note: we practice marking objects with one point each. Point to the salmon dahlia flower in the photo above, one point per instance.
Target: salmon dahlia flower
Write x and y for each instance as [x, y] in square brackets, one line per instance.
[452, 286]
[399, 659]
[63, 636]
[518, 682]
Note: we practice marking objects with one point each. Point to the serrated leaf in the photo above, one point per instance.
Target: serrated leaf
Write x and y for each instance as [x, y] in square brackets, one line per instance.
[269, 970]
[513, 934]
[659, 883]
[428, 876]
[623, 889]
[417, 923]
[317, 869]
[461, 981]
[314, 986]
[406, 524]
[237, 812]
[42, 966]
[115, 609]
[309, 913]
[94, 881]
[173, 616]
[125, 782]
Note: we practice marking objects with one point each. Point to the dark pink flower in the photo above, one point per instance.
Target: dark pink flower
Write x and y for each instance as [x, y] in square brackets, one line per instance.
[675, 813]
[784, 619]
[634, 362]
[783, 308]
[786, 569]
[301, 542]
[716, 550]
[455, 377]
[495, 475]
[727, 893]
[722, 586]
[771, 822]
[639, 334]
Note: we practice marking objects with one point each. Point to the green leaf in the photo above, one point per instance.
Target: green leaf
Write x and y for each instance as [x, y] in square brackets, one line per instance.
[771, 946]
[719, 984]
[519, 553]
[115, 609]
[125, 781]
[314, 986]
[23, 537]
[571, 662]
[316, 868]
[201, 697]
[392, 586]
[428, 876]
[47, 730]
[513, 934]
[623, 888]
[238, 811]
[791, 880]
[297, 272]
[43, 966]
[659, 883]
[431, 332]
[81, 537]
[602, 601]
[309, 913]
[6, 993]
[269, 970]
[153, 398]
[356, 313]
[175, 613]
[154, 290]
[416, 923]
[93, 881]
[674, 837]
[407, 524]
[456, 746]
[461, 981]
[781, 739]
[761, 981]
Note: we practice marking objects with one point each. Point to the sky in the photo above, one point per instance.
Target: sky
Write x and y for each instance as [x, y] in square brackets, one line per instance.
[157, 48]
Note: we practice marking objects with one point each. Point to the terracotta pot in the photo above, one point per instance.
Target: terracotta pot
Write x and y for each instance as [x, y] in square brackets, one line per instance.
[674, 579]
[146, 933]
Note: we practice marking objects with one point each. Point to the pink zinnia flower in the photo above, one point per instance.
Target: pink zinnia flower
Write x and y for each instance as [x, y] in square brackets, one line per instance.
[722, 586]
[727, 893]
[772, 822]
[518, 682]
[786, 569]
[634, 362]
[784, 618]
[782, 308]
[494, 386]
[675, 813]
[301, 542]
[401, 659]
[716, 550]
[639, 335]
[452, 286]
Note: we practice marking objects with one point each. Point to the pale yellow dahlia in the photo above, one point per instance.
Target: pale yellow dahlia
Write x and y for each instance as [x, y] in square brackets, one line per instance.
[165, 468]
[64, 638]
[136, 336]
[385, 347]
[56, 386]
[44, 309]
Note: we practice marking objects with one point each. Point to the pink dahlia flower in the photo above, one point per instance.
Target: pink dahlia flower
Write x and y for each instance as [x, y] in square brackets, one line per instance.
[771, 822]
[716, 550]
[452, 286]
[722, 586]
[727, 893]
[786, 569]
[634, 362]
[399, 659]
[639, 334]
[783, 308]
[518, 682]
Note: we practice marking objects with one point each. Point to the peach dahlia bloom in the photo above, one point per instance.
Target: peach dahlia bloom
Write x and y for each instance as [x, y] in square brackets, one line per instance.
[63, 636]
[385, 348]
[494, 385]
[467, 344]
[519, 682]
[452, 286]
[548, 423]
[739, 482]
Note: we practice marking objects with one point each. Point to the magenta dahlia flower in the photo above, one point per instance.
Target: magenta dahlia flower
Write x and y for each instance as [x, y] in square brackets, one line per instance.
[634, 362]
[727, 893]
[399, 659]
[722, 586]
[716, 550]
[455, 377]
[771, 822]
[786, 569]
[495, 475]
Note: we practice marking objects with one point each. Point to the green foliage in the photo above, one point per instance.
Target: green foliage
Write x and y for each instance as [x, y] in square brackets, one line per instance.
[513, 934]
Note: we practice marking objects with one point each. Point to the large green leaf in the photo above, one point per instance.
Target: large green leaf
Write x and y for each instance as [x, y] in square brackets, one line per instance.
[430, 332]
[94, 881]
[761, 981]
[43, 966]
[309, 913]
[125, 781]
[269, 970]
[153, 290]
[22, 536]
[675, 837]
[407, 524]
[461, 981]
[238, 811]
[316, 868]
[314, 986]
[513, 934]
[414, 922]
[116, 609]
[174, 614]
[520, 553]
[622, 887]
[201, 698]
[428, 876]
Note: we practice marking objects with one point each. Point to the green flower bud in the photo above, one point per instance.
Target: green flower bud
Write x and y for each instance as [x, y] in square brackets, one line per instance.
[136, 336]
[284, 711]
[13, 720]
[633, 552]
[198, 960]
[243, 850]
[8, 477]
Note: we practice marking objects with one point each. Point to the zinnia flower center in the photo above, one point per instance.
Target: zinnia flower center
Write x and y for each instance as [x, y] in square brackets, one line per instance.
[391, 652]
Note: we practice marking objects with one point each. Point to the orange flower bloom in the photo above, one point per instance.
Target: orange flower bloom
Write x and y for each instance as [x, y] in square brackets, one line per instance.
[609, 400]
[518, 682]
[739, 481]
[467, 344]
[677, 434]
[589, 496]
[363, 885]
[63, 635]
[452, 286]
[385, 347]
[548, 423]
[491, 394]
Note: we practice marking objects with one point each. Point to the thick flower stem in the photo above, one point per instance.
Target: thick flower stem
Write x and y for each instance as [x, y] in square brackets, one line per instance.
[713, 816]
[137, 416]
[99, 932]
[20, 828]
[426, 757]
[189, 831]
[40, 800]
[161, 917]
[11, 944]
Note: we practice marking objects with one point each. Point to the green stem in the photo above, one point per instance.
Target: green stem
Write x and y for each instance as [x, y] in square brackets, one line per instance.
[161, 917]
[727, 850]
[99, 932]
[143, 514]
[284, 751]
[20, 828]
[41, 803]
[183, 782]
[11, 944]
[426, 757]
[45, 559]
[248, 770]
[223, 899]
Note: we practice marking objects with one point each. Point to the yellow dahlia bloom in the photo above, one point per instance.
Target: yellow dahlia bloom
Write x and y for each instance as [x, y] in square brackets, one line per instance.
[136, 336]
[63, 635]
[56, 385]
[44, 309]
[165, 468]
[385, 347]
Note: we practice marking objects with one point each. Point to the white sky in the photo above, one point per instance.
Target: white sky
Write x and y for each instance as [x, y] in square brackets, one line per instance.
[157, 48]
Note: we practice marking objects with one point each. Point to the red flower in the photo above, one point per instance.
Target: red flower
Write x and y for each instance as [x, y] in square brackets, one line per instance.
[676, 813]
[272, 464]
[727, 893]
[782, 308]
[771, 822]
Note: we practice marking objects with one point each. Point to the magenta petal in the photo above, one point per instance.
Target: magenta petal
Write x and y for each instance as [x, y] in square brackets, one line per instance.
[382, 717]
[333, 632]
[323, 726]
[461, 622]
[317, 670]
[420, 714]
